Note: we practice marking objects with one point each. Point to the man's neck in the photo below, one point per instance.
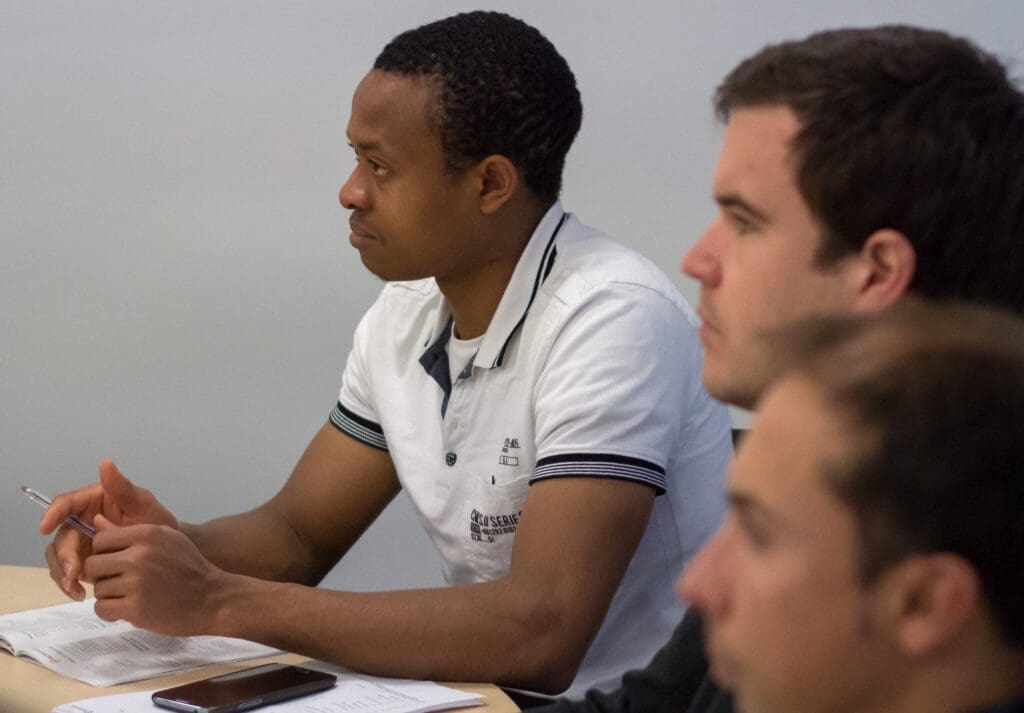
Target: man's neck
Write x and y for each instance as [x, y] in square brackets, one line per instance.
[969, 687]
[474, 300]
[474, 297]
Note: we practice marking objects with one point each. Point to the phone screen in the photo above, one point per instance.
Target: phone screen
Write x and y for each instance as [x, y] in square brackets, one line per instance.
[244, 690]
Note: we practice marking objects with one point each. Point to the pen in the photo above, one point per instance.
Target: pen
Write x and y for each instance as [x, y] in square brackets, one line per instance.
[44, 502]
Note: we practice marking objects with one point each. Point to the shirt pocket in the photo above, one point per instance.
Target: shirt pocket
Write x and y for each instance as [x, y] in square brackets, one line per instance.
[491, 518]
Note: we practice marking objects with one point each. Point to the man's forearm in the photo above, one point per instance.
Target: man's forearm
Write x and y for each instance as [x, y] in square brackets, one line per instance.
[260, 543]
[491, 632]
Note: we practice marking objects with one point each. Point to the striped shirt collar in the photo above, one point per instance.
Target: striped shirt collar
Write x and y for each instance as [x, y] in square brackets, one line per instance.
[532, 269]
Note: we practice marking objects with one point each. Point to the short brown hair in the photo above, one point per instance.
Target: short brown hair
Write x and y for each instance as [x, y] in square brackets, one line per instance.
[908, 129]
[934, 396]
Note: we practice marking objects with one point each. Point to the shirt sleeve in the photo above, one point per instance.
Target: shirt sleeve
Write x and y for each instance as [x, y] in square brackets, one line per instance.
[621, 375]
[355, 413]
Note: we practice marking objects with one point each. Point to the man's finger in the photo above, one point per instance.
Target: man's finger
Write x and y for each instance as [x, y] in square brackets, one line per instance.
[108, 609]
[75, 502]
[68, 545]
[120, 491]
[57, 573]
[114, 538]
[64, 572]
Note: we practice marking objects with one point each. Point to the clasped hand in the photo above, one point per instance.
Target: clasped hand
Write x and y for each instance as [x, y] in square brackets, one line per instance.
[143, 569]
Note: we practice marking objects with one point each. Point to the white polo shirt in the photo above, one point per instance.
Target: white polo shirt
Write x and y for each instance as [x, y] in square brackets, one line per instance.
[591, 367]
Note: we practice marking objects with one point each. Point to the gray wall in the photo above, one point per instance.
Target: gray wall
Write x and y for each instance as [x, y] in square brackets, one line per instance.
[176, 287]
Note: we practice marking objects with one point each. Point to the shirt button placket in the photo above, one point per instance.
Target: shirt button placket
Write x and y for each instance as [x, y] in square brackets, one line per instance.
[451, 429]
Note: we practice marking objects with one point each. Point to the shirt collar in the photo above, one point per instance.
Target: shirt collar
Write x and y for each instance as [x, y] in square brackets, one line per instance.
[532, 269]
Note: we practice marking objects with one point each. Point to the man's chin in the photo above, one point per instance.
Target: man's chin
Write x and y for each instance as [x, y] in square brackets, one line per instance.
[726, 673]
[389, 271]
[730, 385]
[381, 272]
[723, 670]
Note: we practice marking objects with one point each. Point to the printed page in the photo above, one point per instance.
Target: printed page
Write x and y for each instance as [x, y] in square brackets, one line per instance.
[354, 692]
[56, 624]
[71, 640]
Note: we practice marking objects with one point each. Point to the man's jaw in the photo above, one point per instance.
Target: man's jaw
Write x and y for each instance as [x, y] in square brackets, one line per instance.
[721, 666]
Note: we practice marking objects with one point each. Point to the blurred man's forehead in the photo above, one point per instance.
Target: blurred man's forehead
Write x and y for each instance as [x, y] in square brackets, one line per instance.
[782, 464]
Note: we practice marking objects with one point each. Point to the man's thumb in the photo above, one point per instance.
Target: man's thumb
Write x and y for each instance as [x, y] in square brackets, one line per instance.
[115, 485]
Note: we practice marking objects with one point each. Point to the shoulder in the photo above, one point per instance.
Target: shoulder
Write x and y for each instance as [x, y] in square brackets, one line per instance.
[406, 312]
[590, 265]
[406, 293]
[404, 300]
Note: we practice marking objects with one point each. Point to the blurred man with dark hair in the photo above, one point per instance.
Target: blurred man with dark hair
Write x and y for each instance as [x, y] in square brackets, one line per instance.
[858, 166]
[532, 386]
[871, 562]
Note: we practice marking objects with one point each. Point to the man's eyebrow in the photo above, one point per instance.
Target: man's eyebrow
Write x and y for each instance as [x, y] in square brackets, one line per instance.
[364, 145]
[731, 200]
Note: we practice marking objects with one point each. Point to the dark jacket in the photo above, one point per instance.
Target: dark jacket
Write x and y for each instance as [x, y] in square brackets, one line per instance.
[675, 681]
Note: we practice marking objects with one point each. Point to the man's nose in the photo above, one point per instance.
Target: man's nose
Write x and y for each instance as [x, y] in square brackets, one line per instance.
[705, 581]
[701, 261]
[353, 191]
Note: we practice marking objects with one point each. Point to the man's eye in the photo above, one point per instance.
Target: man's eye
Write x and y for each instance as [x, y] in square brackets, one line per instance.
[743, 224]
[376, 168]
[758, 540]
[754, 534]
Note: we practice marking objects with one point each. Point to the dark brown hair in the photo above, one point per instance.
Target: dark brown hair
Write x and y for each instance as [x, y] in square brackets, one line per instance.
[934, 395]
[908, 129]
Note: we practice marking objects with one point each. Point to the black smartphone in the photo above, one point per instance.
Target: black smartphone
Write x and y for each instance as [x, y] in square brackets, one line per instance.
[245, 689]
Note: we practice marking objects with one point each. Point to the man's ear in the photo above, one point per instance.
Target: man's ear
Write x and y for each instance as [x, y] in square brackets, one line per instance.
[929, 600]
[885, 269]
[499, 179]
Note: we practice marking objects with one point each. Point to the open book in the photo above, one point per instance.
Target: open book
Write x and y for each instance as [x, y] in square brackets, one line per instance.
[71, 640]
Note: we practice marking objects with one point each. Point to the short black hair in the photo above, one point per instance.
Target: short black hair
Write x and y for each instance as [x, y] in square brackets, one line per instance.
[909, 129]
[501, 88]
[933, 395]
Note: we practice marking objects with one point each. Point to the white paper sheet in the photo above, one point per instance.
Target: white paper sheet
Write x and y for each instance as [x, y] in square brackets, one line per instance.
[354, 692]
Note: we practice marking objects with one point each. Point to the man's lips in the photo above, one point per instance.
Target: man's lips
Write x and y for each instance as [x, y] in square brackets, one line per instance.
[359, 236]
[707, 326]
[360, 230]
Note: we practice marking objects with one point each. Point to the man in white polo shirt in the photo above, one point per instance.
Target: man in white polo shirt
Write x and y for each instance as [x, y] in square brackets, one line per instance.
[533, 387]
